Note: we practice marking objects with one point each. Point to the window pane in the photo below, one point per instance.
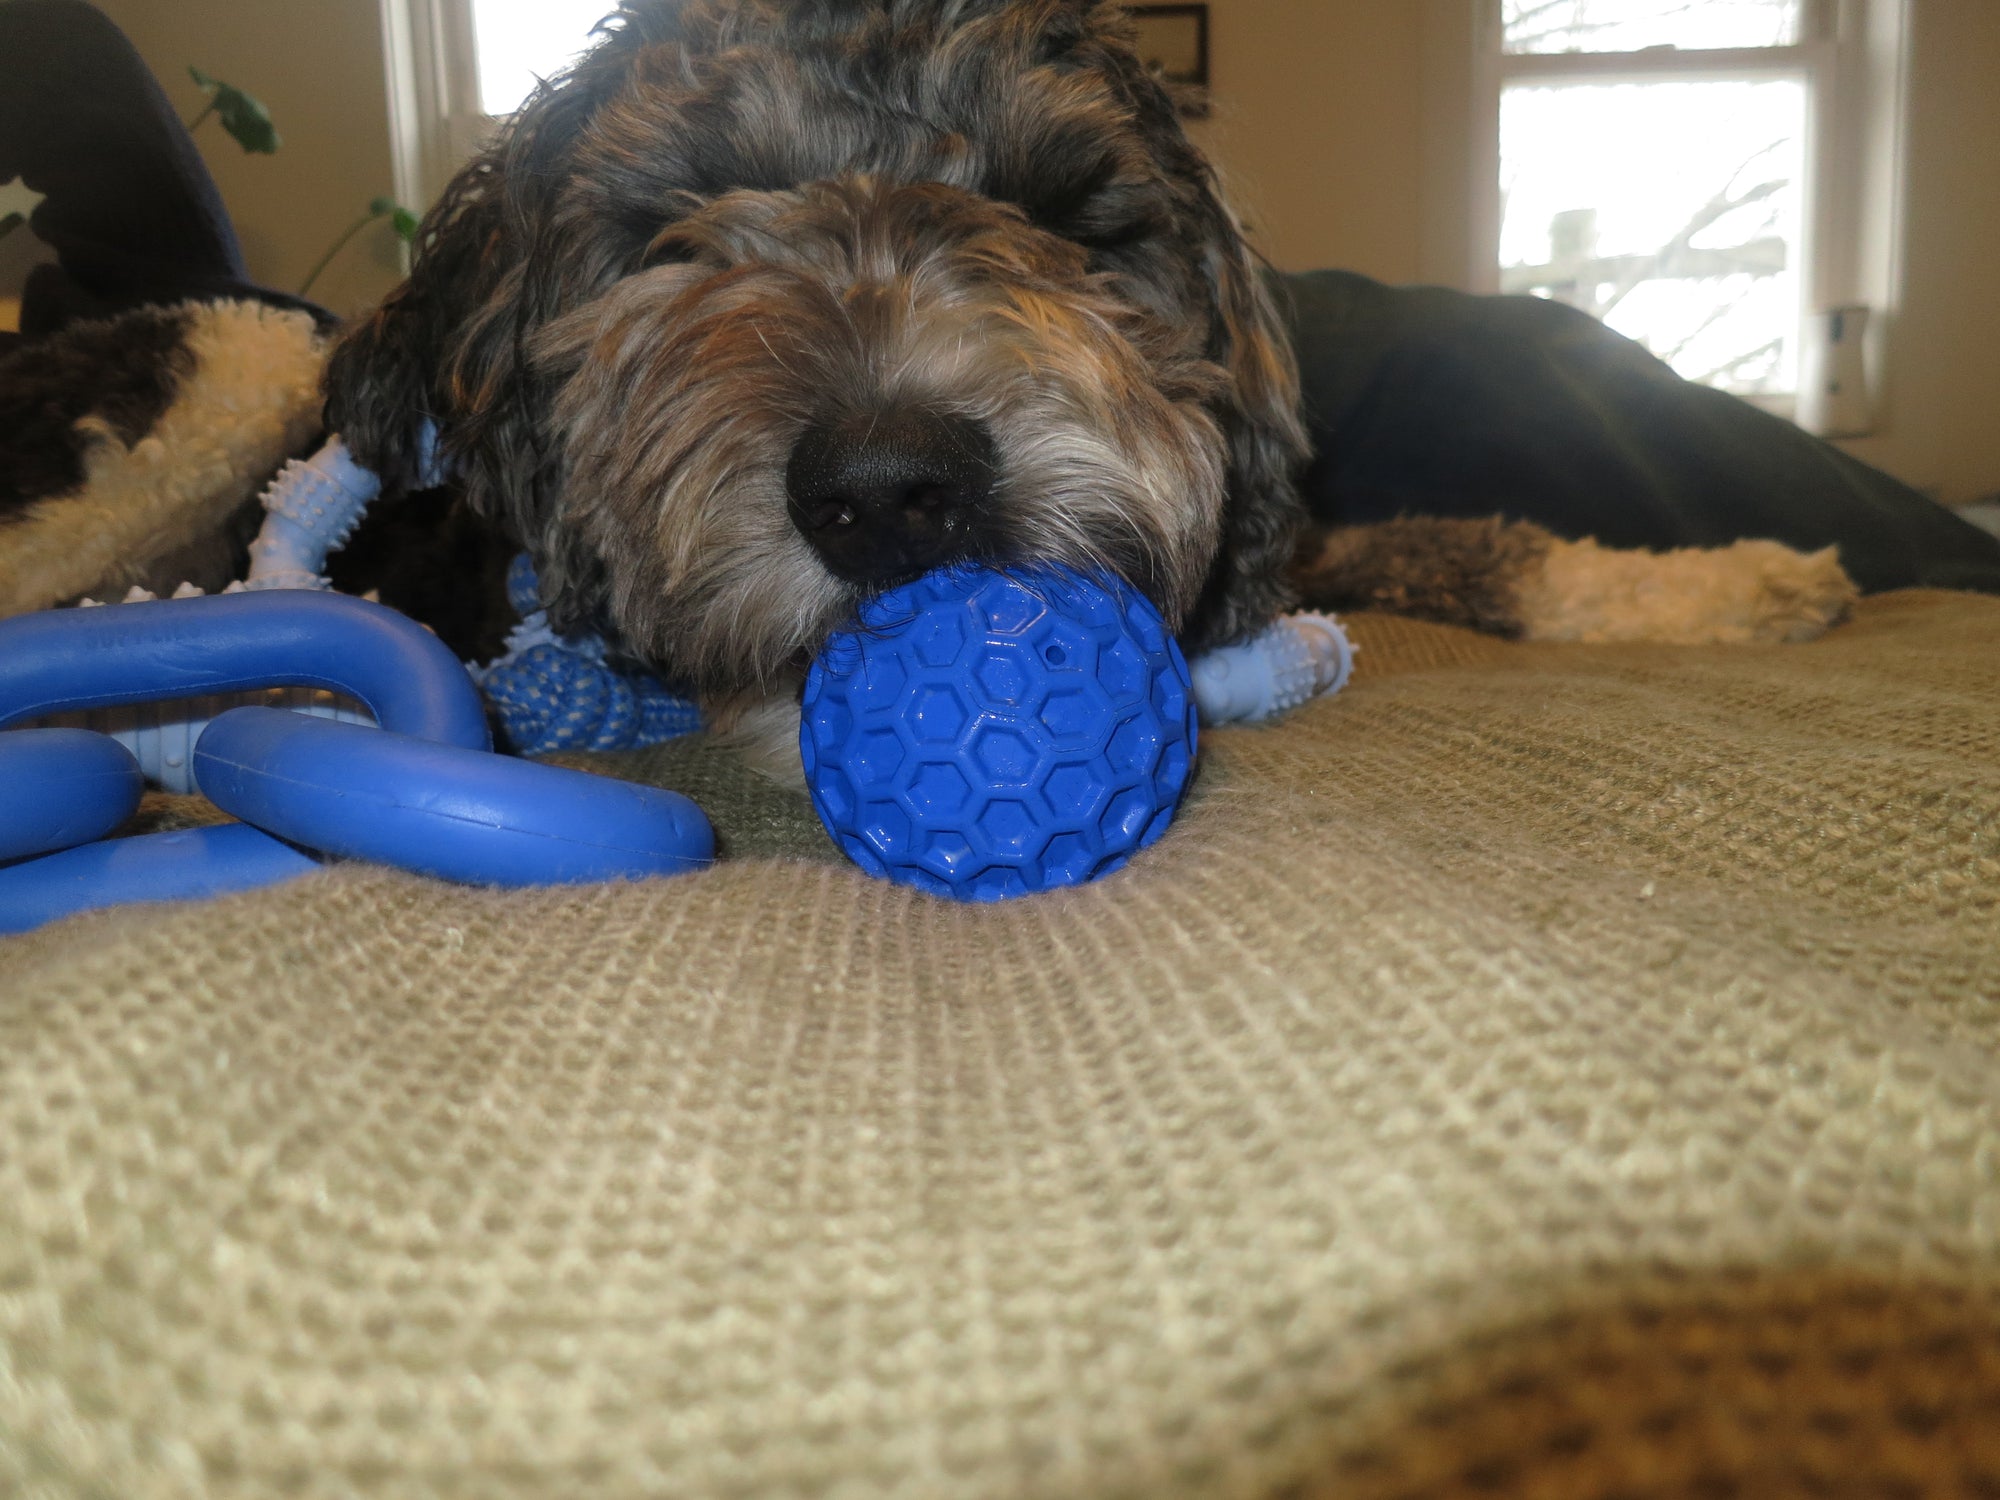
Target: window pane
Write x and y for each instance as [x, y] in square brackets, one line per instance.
[1629, 25]
[519, 41]
[1671, 210]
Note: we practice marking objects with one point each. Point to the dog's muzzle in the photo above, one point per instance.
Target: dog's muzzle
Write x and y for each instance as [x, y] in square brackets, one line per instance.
[883, 496]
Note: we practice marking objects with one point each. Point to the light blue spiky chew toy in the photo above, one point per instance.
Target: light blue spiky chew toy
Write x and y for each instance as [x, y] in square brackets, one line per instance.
[548, 692]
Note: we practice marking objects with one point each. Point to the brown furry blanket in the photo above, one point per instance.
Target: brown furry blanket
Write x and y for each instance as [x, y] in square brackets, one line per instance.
[1555, 1071]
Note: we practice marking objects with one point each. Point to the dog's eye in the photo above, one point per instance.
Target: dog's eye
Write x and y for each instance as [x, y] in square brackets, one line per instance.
[1050, 202]
[1105, 225]
[668, 249]
[1081, 198]
[1113, 215]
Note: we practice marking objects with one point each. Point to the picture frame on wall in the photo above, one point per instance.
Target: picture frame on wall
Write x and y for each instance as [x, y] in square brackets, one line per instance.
[1173, 44]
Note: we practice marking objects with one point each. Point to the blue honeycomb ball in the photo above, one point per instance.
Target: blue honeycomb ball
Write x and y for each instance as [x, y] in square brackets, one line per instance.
[987, 734]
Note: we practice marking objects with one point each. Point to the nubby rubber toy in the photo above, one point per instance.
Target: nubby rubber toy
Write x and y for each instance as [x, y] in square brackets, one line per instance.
[986, 734]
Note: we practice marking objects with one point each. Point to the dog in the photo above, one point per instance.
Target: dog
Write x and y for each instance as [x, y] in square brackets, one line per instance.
[767, 305]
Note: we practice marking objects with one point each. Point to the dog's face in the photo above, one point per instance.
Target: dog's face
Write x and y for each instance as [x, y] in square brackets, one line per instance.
[768, 306]
[826, 390]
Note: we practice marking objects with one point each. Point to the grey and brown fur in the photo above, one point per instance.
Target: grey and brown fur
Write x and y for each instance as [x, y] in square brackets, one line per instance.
[739, 234]
[732, 222]
[1515, 578]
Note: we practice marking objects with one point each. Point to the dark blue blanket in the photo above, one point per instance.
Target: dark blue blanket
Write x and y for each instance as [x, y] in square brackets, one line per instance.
[1424, 401]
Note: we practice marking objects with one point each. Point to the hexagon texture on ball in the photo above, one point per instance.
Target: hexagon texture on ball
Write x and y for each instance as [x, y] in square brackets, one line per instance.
[988, 733]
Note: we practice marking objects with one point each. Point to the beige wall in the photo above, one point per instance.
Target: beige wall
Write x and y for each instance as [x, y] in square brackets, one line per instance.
[1317, 124]
[317, 64]
[1941, 403]
[1321, 124]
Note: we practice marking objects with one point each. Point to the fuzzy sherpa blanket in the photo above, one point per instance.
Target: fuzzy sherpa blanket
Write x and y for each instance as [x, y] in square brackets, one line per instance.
[1537, 1071]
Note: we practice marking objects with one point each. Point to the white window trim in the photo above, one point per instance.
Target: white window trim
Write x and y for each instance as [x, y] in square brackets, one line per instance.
[435, 119]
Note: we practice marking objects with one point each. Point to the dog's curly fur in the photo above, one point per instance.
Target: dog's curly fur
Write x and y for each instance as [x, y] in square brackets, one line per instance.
[734, 219]
[737, 223]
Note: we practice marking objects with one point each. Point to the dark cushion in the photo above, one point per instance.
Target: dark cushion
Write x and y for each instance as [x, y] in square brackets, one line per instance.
[129, 208]
[1426, 401]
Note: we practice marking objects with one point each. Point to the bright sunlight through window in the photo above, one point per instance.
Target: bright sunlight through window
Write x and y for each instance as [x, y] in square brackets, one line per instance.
[520, 41]
[1634, 25]
[1653, 173]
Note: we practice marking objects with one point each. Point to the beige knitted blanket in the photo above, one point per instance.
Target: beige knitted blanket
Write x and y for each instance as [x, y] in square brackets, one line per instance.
[1537, 1071]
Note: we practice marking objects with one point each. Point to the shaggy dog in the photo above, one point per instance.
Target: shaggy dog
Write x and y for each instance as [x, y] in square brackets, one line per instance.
[770, 304]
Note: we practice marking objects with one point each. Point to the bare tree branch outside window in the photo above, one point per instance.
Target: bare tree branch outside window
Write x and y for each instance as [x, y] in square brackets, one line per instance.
[1632, 25]
[1667, 199]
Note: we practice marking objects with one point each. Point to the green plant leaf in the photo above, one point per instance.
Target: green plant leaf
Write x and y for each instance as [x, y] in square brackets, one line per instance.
[400, 218]
[243, 115]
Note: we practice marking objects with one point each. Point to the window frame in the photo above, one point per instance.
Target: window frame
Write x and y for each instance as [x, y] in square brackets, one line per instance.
[431, 63]
[1850, 53]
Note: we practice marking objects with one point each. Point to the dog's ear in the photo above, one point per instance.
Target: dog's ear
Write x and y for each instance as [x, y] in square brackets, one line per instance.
[1259, 413]
[448, 348]
[387, 376]
[451, 347]
[1196, 259]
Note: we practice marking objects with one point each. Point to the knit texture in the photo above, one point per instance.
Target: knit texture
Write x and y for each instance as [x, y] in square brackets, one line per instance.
[1535, 1071]
[551, 694]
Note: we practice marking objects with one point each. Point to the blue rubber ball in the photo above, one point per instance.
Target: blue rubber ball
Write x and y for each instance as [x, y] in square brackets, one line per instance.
[986, 734]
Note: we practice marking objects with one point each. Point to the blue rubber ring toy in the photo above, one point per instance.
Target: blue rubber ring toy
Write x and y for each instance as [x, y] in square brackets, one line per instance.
[441, 810]
[60, 787]
[65, 659]
[183, 866]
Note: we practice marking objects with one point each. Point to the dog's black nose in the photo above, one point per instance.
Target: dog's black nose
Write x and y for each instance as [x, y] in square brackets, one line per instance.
[883, 496]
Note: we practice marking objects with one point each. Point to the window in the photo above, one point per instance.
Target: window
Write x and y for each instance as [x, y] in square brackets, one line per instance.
[516, 42]
[454, 65]
[1653, 173]
[1699, 174]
